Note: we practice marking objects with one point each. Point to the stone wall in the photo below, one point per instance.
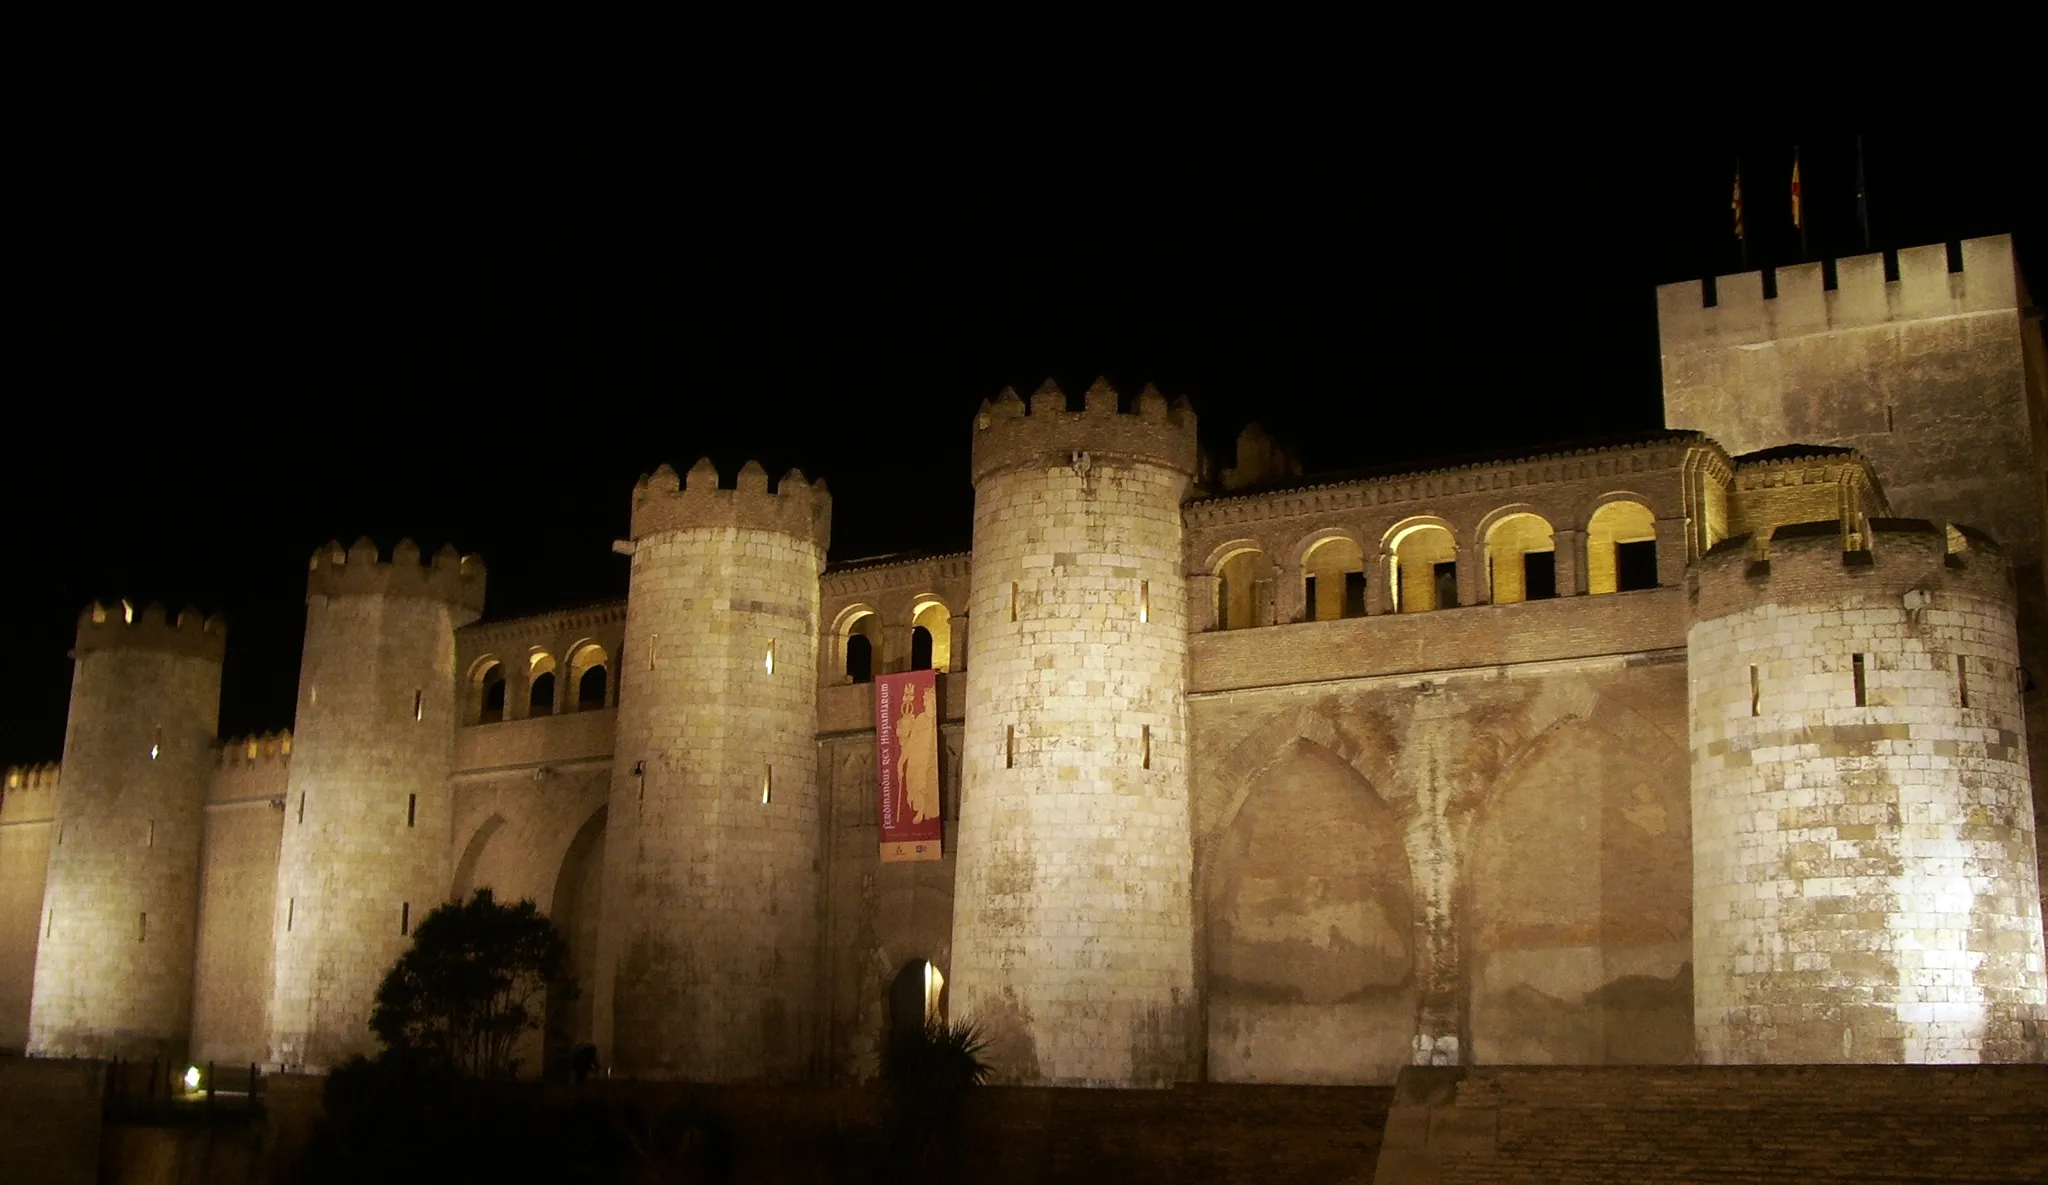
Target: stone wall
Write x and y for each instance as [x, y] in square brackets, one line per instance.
[237, 895]
[1864, 871]
[1514, 1125]
[1479, 865]
[27, 810]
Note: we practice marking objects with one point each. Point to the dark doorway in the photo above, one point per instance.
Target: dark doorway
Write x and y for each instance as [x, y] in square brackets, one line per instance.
[492, 708]
[1354, 594]
[541, 702]
[1447, 585]
[860, 659]
[920, 648]
[590, 690]
[1539, 575]
[915, 996]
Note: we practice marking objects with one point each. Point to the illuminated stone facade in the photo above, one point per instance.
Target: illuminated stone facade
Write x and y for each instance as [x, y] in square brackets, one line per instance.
[1248, 776]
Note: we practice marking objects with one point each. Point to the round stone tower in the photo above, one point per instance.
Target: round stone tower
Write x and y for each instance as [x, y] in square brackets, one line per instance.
[1863, 828]
[707, 949]
[1072, 923]
[366, 826]
[121, 903]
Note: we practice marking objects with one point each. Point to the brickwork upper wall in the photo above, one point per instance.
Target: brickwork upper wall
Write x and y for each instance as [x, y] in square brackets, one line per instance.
[564, 642]
[894, 592]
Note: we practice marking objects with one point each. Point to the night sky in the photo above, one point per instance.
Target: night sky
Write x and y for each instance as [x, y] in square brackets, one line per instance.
[480, 321]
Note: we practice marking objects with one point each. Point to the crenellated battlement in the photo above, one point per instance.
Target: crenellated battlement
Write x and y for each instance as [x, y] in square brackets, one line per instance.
[361, 571]
[122, 626]
[32, 778]
[1925, 288]
[1909, 560]
[796, 506]
[266, 748]
[1010, 433]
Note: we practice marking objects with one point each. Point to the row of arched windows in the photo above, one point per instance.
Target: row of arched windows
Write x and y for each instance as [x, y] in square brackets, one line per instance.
[587, 679]
[860, 640]
[1418, 567]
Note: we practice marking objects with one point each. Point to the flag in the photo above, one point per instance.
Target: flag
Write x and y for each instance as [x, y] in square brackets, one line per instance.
[1798, 220]
[1735, 204]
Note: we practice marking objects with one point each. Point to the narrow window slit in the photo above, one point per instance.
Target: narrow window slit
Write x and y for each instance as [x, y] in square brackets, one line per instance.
[142, 927]
[291, 911]
[150, 841]
[412, 810]
[302, 806]
[653, 644]
[1013, 600]
[50, 926]
[1709, 293]
[1891, 266]
[1962, 680]
[1888, 417]
[769, 661]
[1145, 740]
[1955, 256]
[1009, 746]
[1770, 283]
[1755, 691]
[767, 784]
[405, 917]
[1145, 600]
[156, 745]
[419, 705]
[1856, 673]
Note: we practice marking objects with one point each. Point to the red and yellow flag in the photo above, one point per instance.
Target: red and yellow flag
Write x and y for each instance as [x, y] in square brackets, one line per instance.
[1735, 203]
[1797, 217]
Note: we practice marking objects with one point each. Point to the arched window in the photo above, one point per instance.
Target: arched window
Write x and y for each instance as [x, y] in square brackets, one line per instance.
[860, 636]
[1244, 590]
[1333, 580]
[540, 697]
[1621, 548]
[1521, 559]
[917, 997]
[588, 665]
[935, 649]
[1423, 569]
[488, 687]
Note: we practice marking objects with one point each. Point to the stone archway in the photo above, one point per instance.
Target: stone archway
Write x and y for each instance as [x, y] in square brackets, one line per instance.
[578, 901]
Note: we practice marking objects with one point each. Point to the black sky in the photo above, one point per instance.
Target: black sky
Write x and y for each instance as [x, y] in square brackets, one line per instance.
[250, 329]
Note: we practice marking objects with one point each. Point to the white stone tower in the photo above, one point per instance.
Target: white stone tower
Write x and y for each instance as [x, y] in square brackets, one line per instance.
[120, 908]
[1073, 926]
[365, 848]
[707, 950]
[1863, 828]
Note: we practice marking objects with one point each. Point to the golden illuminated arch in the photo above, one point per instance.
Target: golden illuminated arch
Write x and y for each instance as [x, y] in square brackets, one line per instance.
[1615, 525]
[1333, 578]
[1244, 580]
[1520, 552]
[589, 676]
[1422, 556]
[931, 615]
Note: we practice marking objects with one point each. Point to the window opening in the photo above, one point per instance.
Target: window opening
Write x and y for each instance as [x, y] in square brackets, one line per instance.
[302, 806]
[1635, 565]
[1308, 597]
[860, 659]
[291, 911]
[1445, 576]
[1891, 265]
[1888, 424]
[412, 809]
[1145, 740]
[157, 746]
[150, 842]
[768, 660]
[1013, 600]
[142, 927]
[1856, 673]
[1955, 256]
[419, 705]
[50, 926]
[1962, 681]
[920, 648]
[1009, 746]
[767, 784]
[1354, 594]
[1755, 691]
[653, 644]
[1144, 601]
[491, 704]
[1539, 575]
[590, 689]
[405, 917]
[540, 701]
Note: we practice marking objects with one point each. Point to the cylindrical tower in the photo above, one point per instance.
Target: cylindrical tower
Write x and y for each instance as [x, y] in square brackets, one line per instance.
[1072, 923]
[707, 950]
[121, 903]
[365, 851]
[1863, 829]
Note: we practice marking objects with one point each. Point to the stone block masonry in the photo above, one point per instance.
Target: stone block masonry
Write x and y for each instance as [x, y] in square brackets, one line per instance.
[364, 853]
[1863, 862]
[1073, 924]
[707, 950]
[120, 909]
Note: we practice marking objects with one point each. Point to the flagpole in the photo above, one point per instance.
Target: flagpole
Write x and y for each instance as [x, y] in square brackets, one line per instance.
[1862, 196]
[1799, 208]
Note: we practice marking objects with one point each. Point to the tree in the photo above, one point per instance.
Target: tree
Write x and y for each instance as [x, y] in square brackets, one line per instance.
[930, 1068]
[458, 1001]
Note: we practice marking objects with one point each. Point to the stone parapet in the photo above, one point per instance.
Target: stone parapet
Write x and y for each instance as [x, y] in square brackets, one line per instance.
[1804, 562]
[360, 571]
[796, 506]
[1010, 433]
[106, 627]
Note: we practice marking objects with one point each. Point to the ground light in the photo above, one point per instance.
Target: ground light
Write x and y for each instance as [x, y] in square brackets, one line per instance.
[191, 1077]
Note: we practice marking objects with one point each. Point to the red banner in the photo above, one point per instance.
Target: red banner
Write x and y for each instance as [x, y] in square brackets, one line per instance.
[907, 764]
